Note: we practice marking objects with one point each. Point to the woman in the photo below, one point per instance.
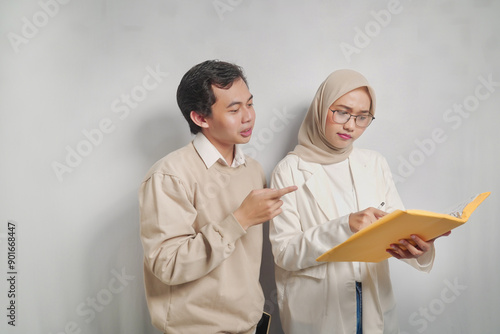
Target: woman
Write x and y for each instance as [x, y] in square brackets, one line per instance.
[339, 188]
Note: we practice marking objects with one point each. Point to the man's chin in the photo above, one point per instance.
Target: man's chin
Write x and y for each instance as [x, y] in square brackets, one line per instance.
[244, 139]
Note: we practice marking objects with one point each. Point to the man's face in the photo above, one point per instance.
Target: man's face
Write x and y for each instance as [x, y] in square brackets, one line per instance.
[355, 102]
[232, 118]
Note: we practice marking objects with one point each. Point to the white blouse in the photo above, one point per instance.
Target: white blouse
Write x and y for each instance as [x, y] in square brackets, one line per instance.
[344, 193]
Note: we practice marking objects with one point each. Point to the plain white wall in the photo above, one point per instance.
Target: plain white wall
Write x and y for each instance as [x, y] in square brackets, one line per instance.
[68, 68]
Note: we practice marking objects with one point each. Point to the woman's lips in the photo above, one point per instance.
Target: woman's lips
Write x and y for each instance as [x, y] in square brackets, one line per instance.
[344, 136]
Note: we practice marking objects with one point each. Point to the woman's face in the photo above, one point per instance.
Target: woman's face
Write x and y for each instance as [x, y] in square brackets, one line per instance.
[355, 102]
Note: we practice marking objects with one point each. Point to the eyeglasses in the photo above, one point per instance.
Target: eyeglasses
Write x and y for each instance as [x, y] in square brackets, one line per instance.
[343, 117]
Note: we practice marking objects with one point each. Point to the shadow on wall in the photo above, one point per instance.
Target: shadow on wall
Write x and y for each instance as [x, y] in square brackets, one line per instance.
[286, 141]
[115, 259]
[290, 136]
[162, 134]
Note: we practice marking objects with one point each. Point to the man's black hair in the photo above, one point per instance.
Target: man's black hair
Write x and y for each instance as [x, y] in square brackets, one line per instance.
[195, 89]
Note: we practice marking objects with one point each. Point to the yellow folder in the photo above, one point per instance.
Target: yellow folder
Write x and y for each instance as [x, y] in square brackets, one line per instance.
[370, 244]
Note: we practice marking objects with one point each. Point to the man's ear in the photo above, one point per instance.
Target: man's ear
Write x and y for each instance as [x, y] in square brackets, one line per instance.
[199, 119]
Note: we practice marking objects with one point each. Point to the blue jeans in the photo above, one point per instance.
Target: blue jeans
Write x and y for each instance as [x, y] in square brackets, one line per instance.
[359, 309]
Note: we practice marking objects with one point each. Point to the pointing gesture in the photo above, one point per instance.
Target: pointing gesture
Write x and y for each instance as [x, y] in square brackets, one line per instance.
[261, 205]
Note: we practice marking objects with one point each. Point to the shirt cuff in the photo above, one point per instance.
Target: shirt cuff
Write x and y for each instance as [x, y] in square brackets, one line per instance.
[344, 222]
[230, 229]
[427, 259]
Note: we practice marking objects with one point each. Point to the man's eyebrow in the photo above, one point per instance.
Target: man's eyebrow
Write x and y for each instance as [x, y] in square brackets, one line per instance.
[237, 102]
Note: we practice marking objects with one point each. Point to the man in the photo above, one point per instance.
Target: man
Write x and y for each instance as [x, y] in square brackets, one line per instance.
[202, 207]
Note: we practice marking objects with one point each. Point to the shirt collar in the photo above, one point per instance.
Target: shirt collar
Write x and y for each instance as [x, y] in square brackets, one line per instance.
[210, 155]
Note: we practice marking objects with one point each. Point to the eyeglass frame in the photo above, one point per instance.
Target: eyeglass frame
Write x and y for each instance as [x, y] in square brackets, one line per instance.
[355, 118]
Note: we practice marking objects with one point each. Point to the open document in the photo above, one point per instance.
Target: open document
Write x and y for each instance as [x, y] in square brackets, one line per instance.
[370, 244]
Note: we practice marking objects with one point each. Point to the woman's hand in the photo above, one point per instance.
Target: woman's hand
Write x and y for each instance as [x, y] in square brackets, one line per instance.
[412, 248]
[362, 219]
